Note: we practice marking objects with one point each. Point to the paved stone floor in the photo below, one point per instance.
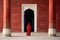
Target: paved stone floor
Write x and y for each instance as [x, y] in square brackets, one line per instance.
[34, 36]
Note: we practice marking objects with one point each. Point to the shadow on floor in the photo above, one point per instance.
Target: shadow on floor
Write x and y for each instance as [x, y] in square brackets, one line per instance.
[57, 35]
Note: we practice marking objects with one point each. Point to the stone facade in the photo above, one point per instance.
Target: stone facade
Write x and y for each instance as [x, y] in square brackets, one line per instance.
[42, 14]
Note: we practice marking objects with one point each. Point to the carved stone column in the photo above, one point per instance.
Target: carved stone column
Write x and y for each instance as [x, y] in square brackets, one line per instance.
[52, 18]
[6, 18]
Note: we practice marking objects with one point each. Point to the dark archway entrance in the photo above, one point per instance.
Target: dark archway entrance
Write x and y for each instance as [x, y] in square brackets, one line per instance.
[29, 17]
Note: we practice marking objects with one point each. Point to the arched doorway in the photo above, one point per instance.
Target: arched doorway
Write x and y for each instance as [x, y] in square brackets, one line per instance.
[32, 7]
[29, 17]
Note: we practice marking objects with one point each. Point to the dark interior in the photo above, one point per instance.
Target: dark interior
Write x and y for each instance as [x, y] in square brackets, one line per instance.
[29, 18]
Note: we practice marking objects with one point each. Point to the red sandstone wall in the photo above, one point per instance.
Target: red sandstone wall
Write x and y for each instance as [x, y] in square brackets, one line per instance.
[58, 15]
[1, 14]
[42, 14]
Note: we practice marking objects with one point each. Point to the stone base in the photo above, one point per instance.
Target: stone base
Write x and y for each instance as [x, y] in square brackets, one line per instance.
[6, 32]
[51, 32]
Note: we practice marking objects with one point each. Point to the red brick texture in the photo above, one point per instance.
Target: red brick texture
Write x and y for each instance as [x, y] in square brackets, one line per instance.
[42, 14]
[58, 15]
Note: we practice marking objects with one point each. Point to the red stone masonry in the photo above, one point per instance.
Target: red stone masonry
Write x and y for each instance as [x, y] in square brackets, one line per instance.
[42, 13]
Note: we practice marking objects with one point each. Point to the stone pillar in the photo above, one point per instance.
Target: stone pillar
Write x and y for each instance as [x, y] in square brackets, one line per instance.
[6, 18]
[52, 18]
